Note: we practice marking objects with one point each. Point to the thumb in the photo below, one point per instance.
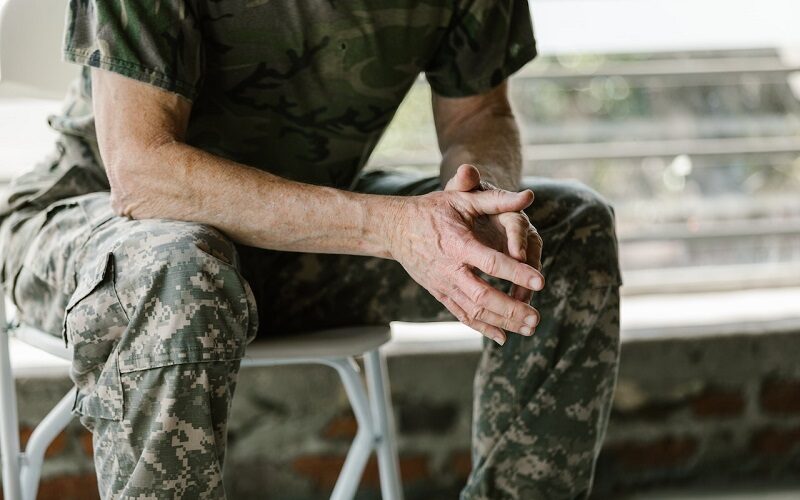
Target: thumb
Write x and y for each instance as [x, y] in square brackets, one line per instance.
[499, 201]
[467, 178]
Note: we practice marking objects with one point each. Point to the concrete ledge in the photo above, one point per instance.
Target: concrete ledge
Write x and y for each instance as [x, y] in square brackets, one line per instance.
[644, 317]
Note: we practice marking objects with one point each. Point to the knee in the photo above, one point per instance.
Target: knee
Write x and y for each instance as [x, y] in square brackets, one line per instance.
[594, 215]
[182, 263]
[578, 224]
[173, 245]
[558, 201]
[181, 286]
[172, 254]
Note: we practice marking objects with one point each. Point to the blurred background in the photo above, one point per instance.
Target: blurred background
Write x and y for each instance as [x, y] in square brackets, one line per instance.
[695, 137]
[685, 114]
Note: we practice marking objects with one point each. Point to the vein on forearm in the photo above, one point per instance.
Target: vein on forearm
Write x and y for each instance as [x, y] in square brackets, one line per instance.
[488, 139]
[180, 182]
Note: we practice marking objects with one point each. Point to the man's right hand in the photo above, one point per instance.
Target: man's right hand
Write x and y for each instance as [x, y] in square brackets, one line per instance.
[435, 242]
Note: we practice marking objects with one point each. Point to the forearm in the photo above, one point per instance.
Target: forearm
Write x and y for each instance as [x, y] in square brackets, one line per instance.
[491, 142]
[180, 182]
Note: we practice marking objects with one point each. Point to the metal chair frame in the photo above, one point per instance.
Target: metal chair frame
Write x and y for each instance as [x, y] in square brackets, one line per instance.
[371, 406]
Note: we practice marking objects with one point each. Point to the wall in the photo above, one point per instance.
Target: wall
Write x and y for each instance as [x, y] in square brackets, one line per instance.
[711, 409]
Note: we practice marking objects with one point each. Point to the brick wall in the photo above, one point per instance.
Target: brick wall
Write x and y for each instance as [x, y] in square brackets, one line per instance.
[692, 410]
[704, 410]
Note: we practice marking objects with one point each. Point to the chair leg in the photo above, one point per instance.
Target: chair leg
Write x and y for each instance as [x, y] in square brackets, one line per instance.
[53, 423]
[388, 466]
[9, 425]
[361, 448]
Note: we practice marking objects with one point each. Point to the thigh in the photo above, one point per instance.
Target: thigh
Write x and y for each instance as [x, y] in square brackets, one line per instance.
[300, 291]
[297, 291]
[55, 256]
[40, 251]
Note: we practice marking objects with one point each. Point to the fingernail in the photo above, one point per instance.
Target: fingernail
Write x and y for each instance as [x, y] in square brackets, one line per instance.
[530, 320]
[536, 283]
[525, 330]
[499, 339]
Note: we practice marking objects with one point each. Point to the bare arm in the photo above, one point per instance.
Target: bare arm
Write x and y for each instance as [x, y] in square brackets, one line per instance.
[155, 174]
[481, 131]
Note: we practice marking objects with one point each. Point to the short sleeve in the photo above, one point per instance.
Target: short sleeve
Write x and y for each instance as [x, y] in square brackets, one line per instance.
[153, 41]
[486, 42]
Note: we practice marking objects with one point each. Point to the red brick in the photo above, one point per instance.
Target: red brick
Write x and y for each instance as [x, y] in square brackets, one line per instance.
[652, 411]
[72, 487]
[56, 447]
[666, 452]
[414, 468]
[86, 442]
[323, 470]
[773, 441]
[718, 403]
[342, 427]
[461, 463]
[781, 396]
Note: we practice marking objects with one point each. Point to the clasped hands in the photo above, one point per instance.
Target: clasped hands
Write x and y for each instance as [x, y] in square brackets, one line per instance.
[444, 239]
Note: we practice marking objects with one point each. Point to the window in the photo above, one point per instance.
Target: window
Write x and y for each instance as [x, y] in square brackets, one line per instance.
[698, 149]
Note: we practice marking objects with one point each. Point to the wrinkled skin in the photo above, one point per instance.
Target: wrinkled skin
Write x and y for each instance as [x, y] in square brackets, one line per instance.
[443, 238]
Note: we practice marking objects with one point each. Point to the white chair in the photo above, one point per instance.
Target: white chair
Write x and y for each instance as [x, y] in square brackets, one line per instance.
[36, 72]
[335, 348]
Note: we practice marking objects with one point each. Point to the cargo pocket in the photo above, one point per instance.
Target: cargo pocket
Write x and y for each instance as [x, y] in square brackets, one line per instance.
[199, 309]
[94, 323]
[40, 263]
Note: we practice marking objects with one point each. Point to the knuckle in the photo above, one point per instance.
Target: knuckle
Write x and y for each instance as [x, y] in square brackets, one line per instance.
[489, 263]
[479, 295]
[509, 312]
[519, 274]
[476, 313]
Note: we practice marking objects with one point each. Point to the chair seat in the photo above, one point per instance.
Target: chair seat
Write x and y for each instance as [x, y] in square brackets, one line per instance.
[334, 343]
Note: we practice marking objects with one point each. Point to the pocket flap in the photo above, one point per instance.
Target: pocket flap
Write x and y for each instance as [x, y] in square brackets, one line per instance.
[106, 398]
[89, 281]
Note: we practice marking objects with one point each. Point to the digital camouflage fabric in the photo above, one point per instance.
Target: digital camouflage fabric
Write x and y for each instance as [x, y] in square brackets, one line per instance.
[300, 88]
[159, 312]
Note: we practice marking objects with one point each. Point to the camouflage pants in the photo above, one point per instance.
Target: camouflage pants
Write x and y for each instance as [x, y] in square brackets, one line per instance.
[159, 314]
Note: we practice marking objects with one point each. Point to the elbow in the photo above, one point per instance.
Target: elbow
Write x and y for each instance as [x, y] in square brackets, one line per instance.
[133, 175]
[127, 178]
[124, 191]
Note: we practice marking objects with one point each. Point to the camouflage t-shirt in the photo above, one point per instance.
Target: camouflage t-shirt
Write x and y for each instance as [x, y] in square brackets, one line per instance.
[300, 88]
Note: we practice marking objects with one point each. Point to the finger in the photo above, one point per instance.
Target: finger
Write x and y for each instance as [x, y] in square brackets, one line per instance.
[490, 305]
[497, 201]
[502, 266]
[485, 329]
[533, 250]
[483, 314]
[517, 227]
[466, 178]
[534, 259]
